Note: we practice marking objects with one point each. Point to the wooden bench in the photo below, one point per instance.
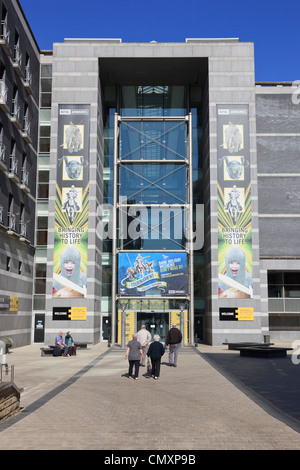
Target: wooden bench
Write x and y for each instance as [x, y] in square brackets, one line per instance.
[237, 346]
[263, 351]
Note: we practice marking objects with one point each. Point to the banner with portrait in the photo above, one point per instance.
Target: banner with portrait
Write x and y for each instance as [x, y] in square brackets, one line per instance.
[72, 202]
[234, 202]
[159, 274]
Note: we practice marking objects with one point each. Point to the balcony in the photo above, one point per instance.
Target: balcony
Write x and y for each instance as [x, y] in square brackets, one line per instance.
[26, 130]
[3, 96]
[25, 181]
[17, 60]
[23, 232]
[28, 80]
[13, 169]
[3, 165]
[12, 223]
[4, 38]
[15, 116]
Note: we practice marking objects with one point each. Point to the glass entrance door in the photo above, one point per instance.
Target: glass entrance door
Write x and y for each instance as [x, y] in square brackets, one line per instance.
[157, 323]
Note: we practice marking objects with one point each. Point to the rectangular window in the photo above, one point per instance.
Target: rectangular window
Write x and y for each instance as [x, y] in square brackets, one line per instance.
[284, 300]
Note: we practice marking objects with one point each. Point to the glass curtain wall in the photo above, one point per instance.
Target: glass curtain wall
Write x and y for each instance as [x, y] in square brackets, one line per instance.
[153, 171]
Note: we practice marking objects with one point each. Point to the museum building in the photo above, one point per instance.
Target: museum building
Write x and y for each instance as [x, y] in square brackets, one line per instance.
[147, 183]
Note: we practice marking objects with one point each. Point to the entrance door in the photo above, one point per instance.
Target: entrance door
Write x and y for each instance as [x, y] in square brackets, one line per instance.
[156, 322]
[39, 327]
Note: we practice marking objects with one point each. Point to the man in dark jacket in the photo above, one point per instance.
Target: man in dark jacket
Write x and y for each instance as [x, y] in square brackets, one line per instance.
[173, 341]
[155, 352]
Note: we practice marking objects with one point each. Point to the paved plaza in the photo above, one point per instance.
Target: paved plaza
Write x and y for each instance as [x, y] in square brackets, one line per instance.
[209, 402]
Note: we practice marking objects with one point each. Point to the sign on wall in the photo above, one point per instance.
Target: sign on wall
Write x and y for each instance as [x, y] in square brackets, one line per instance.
[161, 274]
[236, 314]
[9, 303]
[69, 313]
[234, 202]
[72, 202]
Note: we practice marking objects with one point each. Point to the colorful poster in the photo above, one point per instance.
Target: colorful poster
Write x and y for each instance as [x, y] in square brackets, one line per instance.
[234, 202]
[159, 274]
[72, 202]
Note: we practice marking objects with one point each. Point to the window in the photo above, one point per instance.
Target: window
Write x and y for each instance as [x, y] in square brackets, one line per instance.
[46, 86]
[44, 145]
[8, 263]
[284, 300]
[40, 278]
[42, 230]
[43, 184]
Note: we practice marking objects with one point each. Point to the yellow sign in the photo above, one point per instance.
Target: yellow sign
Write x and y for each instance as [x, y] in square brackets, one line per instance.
[130, 325]
[175, 319]
[14, 304]
[77, 313]
[245, 314]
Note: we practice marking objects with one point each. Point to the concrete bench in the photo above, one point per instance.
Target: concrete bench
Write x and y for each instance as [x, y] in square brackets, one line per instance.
[47, 351]
[264, 351]
[80, 345]
[237, 346]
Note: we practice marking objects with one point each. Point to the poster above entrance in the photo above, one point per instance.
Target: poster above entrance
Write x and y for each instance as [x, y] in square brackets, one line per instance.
[155, 274]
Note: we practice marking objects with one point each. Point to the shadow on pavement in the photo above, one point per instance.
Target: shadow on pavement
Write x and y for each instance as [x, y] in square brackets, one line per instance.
[273, 383]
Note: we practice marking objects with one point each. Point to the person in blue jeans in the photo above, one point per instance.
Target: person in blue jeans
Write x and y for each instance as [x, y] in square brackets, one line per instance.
[155, 352]
[134, 353]
[173, 343]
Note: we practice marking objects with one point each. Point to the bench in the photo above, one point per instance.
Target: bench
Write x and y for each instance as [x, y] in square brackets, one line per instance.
[46, 351]
[80, 345]
[237, 346]
[263, 351]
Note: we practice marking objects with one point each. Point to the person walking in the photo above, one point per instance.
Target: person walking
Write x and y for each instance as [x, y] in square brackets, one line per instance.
[155, 352]
[173, 341]
[144, 337]
[134, 353]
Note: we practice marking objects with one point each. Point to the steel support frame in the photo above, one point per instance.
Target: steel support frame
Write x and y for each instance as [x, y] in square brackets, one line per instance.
[116, 206]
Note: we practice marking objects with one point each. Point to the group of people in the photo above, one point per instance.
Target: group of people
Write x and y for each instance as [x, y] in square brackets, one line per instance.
[141, 346]
[64, 347]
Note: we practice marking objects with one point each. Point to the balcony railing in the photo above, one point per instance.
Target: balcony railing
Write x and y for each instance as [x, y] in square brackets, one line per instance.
[3, 92]
[26, 125]
[26, 129]
[17, 55]
[23, 229]
[12, 218]
[4, 37]
[16, 109]
[13, 168]
[5, 32]
[25, 177]
[2, 153]
[28, 75]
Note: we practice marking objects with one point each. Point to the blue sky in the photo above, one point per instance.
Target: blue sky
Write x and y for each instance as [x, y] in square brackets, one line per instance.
[272, 25]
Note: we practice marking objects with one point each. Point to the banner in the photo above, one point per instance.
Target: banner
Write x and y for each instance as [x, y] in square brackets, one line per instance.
[72, 202]
[234, 202]
[160, 274]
